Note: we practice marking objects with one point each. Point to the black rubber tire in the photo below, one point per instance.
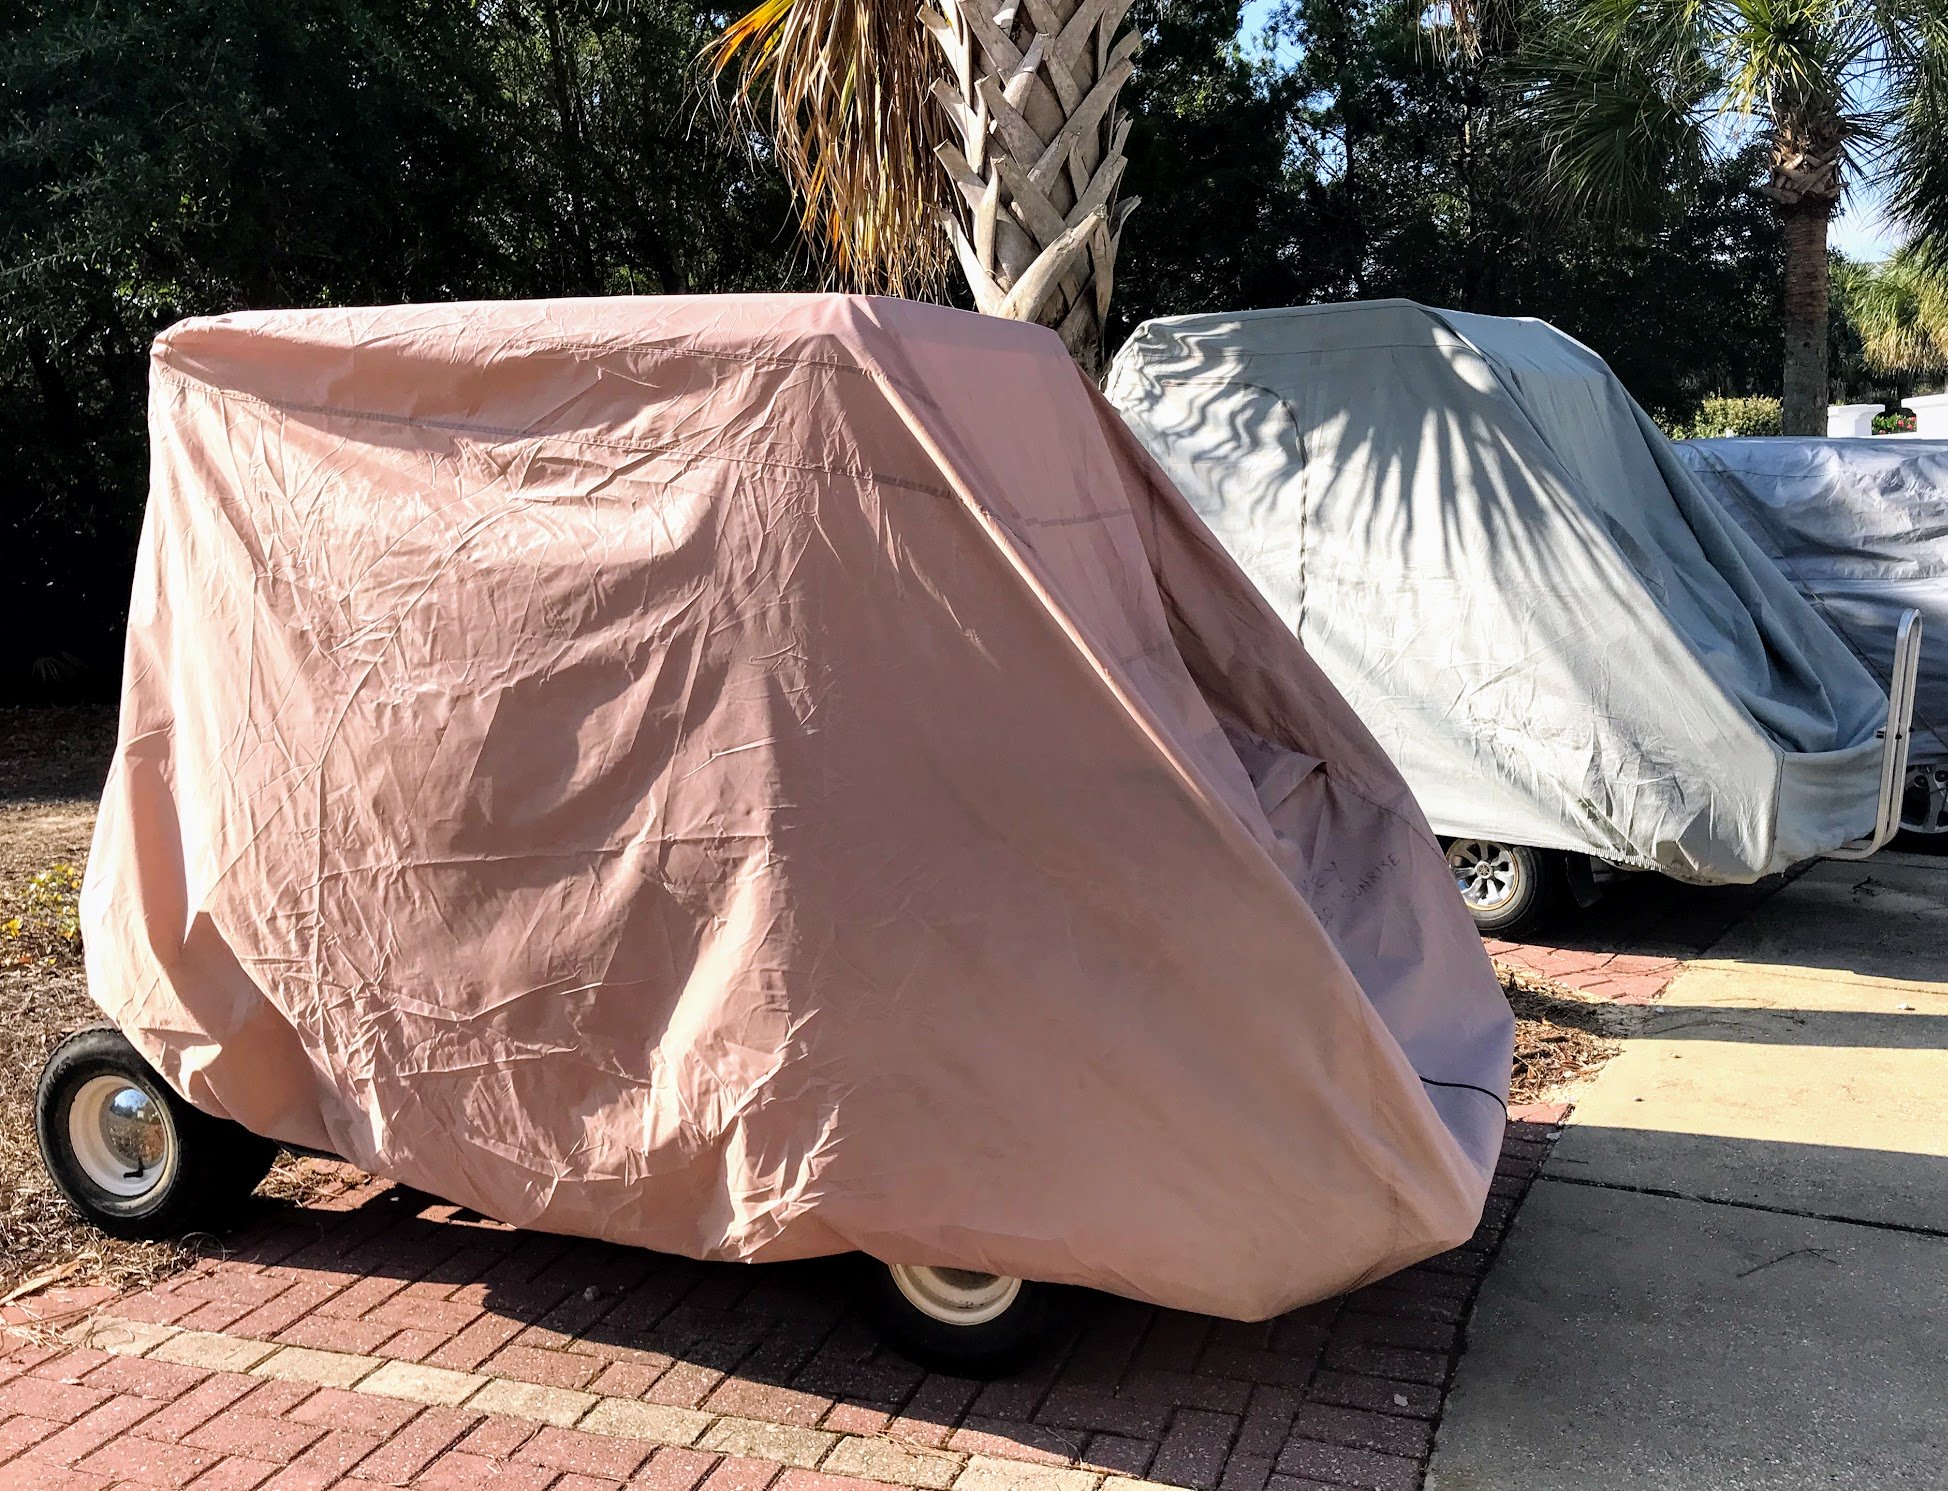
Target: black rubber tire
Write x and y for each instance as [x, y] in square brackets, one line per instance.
[990, 1349]
[218, 1163]
[1541, 891]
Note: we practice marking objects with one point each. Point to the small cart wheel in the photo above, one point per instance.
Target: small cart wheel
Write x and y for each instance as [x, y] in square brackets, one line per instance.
[955, 1320]
[132, 1156]
[1507, 888]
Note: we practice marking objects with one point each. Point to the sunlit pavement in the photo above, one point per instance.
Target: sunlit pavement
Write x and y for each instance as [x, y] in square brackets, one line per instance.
[1733, 1272]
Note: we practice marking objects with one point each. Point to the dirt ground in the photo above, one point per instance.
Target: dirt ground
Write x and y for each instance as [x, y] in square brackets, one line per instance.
[51, 766]
[52, 763]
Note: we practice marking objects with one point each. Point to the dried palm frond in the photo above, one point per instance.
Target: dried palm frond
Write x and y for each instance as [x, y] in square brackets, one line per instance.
[1472, 28]
[846, 85]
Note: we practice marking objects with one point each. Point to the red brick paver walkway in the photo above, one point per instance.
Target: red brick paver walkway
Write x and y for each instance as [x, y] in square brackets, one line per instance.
[383, 1340]
[1636, 939]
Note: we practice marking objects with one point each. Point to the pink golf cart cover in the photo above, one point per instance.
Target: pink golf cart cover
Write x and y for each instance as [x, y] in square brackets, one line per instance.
[765, 776]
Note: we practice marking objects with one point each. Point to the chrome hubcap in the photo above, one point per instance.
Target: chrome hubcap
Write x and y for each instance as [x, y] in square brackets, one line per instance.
[120, 1137]
[1486, 874]
[955, 1296]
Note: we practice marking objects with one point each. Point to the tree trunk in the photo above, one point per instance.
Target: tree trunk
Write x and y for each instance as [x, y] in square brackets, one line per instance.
[1806, 389]
[1040, 152]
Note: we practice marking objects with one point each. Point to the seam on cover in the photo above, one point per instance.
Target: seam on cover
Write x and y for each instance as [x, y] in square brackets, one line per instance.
[1256, 356]
[770, 359]
[1096, 516]
[492, 432]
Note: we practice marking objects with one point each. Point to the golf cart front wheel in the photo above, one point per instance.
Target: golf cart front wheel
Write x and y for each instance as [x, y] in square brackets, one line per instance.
[1506, 887]
[129, 1154]
[955, 1320]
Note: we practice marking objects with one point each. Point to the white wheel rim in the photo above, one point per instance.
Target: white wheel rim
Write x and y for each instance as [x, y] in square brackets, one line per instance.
[954, 1296]
[121, 1138]
[1487, 874]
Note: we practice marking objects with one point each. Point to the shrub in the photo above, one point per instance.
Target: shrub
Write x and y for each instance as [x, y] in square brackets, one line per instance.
[1718, 416]
[1896, 422]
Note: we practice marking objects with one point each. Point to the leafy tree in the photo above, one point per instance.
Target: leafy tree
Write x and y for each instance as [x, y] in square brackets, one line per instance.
[1626, 94]
[623, 184]
[1421, 184]
[1210, 160]
[194, 155]
[164, 158]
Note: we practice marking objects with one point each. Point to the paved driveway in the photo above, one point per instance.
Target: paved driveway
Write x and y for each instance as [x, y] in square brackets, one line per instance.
[390, 1340]
[1733, 1273]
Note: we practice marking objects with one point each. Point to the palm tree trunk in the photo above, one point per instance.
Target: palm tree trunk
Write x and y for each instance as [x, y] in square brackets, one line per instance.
[1038, 156]
[1805, 316]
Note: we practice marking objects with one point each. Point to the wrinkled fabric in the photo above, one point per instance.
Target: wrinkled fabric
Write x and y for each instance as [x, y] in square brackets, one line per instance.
[1860, 527]
[757, 777]
[1493, 553]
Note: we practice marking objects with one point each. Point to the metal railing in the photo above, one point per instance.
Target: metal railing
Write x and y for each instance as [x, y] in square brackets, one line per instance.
[1894, 738]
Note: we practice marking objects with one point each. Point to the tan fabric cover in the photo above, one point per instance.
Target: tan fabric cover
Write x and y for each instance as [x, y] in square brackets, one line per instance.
[758, 777]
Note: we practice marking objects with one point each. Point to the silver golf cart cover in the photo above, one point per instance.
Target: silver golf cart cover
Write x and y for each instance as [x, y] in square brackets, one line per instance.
[1560, 639]
[1861, 528]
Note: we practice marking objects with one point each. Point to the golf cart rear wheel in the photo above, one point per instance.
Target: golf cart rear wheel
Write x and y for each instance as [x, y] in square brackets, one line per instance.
[132, 1156]
[1506, 887]
[955, 1320]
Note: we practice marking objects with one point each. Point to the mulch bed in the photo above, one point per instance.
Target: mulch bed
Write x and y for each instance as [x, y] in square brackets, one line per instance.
[1560, 1035]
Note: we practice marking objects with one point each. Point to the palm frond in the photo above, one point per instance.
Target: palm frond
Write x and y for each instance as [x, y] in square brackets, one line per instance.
[1795, 54]
[1916, 158]
[1617, 94]
[1900, 311]
[841, 87]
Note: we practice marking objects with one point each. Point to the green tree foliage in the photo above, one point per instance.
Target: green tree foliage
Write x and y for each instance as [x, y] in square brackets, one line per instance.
[1424, 185]
[1898, 313]
[1210, 145]
[622, 181]
[1623, 96]
[163, 158]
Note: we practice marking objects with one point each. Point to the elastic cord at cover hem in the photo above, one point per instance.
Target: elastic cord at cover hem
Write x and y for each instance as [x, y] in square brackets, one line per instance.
[1500, 1102]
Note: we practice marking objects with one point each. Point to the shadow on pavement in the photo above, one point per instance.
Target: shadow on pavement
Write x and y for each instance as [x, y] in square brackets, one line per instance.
[1654, 916]
[1695, 1312]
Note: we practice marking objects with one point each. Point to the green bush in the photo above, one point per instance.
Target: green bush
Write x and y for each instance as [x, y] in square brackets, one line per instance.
[1718, 417]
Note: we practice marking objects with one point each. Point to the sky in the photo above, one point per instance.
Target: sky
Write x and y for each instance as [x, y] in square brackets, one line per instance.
[1861, 231]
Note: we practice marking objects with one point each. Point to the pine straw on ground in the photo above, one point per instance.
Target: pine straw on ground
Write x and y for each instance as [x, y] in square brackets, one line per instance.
[51, 768]
[1560, 1035]
[52, 762]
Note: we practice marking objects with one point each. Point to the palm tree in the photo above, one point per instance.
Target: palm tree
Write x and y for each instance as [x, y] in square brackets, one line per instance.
[1619, 93]
[1899, 310]
[981, 132]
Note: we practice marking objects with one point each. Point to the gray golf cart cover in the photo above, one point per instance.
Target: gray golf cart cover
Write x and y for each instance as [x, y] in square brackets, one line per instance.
[1560, 639]
[1861, 528]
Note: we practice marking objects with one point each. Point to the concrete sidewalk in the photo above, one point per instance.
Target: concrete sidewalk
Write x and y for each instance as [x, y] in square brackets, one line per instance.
[1733, 1272]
